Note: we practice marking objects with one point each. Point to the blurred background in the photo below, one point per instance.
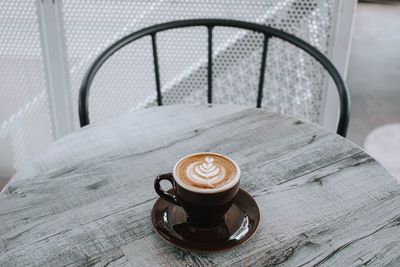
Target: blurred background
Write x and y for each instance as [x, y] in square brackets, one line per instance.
[47, 46]
[374, 68]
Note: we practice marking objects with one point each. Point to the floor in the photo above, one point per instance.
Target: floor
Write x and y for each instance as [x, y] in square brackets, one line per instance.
[374, 69]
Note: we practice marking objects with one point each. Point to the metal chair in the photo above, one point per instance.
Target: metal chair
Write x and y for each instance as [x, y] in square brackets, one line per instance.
[268, 32]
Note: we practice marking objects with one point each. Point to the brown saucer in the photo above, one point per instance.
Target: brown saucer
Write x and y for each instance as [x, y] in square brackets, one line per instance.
[240, 224]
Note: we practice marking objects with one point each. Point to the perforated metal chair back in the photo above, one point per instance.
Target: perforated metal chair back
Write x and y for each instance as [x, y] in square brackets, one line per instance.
[210, 24]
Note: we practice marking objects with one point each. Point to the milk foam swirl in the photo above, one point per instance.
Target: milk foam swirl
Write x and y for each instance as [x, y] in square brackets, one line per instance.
[205, 172]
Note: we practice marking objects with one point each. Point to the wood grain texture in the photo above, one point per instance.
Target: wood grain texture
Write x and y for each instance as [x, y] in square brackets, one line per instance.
[86, 200]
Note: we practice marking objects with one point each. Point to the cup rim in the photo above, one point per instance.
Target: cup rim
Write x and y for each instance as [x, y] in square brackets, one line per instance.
[207, 190]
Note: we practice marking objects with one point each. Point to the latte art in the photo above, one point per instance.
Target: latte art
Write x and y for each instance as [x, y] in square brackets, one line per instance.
[206, 171]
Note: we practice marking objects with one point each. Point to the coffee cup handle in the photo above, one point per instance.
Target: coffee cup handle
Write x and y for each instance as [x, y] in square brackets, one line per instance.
[164, 194]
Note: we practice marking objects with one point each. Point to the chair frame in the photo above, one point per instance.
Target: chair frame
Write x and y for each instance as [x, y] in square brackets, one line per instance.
[268, 32]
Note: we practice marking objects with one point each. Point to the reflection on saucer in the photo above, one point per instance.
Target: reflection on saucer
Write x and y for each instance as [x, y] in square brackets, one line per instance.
[239, 225]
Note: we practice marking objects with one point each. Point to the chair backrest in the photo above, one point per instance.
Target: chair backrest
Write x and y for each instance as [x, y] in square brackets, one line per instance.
[210, 24]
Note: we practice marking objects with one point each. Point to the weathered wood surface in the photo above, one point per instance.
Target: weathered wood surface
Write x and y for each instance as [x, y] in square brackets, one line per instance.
[86, 200]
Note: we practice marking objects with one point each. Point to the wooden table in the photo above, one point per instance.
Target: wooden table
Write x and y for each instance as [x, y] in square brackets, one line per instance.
[86, 199]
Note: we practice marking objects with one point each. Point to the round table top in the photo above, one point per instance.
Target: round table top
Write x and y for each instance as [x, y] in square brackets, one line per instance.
[86, 200]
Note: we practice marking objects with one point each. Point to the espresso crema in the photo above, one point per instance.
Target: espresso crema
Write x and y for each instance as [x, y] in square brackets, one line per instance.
[206, 171]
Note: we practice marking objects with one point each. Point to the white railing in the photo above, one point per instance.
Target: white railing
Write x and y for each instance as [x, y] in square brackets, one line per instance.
[64, 42]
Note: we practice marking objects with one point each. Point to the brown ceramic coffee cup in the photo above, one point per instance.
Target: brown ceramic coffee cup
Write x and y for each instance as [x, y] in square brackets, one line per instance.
[204, 185]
